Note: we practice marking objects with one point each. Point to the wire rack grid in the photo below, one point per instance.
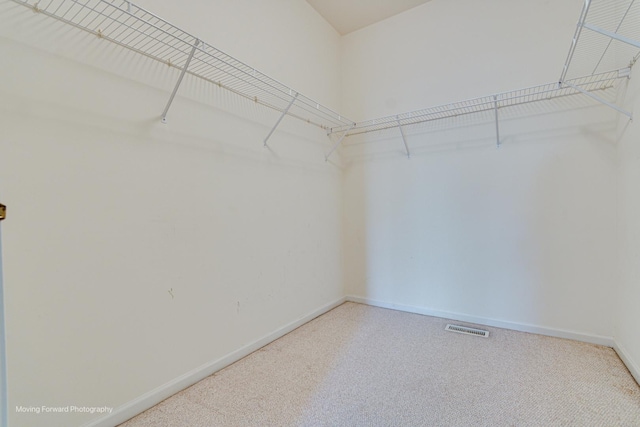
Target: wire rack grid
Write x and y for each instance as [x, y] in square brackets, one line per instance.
[607, 37]
[592, 83]
[132, 27]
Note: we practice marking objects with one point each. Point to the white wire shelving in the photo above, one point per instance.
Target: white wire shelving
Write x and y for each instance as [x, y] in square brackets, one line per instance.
[604, 48]
[132, 27]
[498, 101]
[607, 37]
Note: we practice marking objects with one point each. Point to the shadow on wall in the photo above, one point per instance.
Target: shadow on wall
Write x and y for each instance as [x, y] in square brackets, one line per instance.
[225, 122]
[518, 233]
[530, 122]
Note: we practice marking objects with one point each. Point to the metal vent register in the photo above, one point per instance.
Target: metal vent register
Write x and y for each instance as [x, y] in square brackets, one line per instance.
[467, 331]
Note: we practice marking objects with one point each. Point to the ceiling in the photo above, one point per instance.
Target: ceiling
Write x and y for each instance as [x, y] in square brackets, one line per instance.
[350, 15]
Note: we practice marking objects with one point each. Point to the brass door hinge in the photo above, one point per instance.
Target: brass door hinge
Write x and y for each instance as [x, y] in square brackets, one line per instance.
[3, 211]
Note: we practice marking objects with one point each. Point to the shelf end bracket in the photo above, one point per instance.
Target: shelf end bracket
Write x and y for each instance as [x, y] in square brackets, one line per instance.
[495, 107]
[404, 138]
[284, 113]
[182, 73]
[599, 99]
[337, 144]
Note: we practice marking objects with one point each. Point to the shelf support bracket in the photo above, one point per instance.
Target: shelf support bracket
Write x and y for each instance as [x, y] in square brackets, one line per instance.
[614, 36]
[599, 99]
[182, 73]
[495, 108]
[284, 113]
[404, 138]
[337, 144]
[576, 37]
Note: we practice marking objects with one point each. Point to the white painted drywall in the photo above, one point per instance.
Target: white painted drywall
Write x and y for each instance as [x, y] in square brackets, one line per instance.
[286, 40]
[137, 252]
[444, 51]
[626, 313]
[524, 234]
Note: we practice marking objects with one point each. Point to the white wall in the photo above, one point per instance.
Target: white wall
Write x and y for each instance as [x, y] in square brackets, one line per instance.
[444, 51]
[523, 235]
[626, 313]
[286, 40]
[135, 251]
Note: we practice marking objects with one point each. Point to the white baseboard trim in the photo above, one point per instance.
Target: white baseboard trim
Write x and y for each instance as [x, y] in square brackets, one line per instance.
[153, 397]
[626, 359]
[521, 327]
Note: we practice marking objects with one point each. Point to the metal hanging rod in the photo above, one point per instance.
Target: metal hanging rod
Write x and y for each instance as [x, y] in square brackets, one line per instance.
[491, 103]
[132, 27]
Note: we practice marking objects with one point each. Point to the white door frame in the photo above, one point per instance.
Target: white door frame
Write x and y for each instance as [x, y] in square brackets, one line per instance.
[4, 406]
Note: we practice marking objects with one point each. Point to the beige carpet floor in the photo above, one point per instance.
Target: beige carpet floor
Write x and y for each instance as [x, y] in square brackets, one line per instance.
[364, 366]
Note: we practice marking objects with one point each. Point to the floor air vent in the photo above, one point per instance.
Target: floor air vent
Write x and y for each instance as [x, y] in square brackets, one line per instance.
[467, 331]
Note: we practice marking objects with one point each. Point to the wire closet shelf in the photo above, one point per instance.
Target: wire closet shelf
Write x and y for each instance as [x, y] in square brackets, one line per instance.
[597, 82]
[132, 27]
[604, 48]
[607, 37]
